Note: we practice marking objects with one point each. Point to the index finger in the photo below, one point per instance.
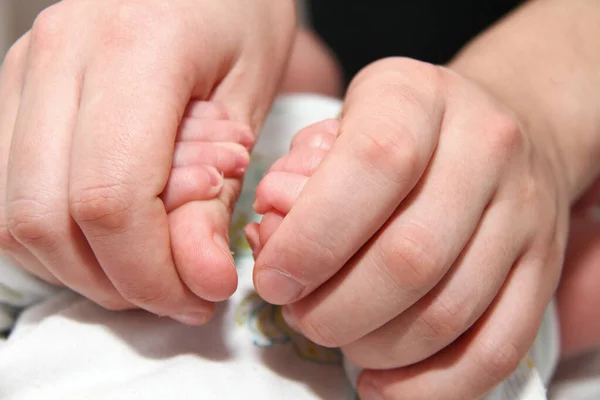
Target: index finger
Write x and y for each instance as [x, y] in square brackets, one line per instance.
[491, 350]
[388, 132]
[120, 163]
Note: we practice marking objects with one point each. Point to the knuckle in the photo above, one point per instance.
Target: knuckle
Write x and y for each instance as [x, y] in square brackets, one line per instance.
[402, 69]
[497, 359]
[506, 138]
[407, 260]
[390, 150]
[444, 320]
[31, 222]
[390, 141]
[47, 29]
[106, 206]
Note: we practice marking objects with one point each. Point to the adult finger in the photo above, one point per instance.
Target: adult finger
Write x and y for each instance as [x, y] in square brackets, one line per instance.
[121, 160]
[247, 92]
[37, 201]
[418, 244]
[487, 354]
[12, 76]
[455, 304]
[389, 130]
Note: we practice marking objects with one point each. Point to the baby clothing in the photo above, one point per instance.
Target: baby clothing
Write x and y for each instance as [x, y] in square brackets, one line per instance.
[62, 346]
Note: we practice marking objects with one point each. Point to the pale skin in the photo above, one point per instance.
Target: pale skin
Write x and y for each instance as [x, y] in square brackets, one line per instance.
[509, 128]
[91, 102]
[439, 240]
[578, 297]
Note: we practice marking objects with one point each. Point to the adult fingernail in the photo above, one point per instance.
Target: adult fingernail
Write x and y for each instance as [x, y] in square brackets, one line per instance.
[277, 287]
[368, 390]
[195, 318]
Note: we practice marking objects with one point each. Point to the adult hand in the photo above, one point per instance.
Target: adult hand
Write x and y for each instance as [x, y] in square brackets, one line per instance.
[429, 241]
[90, 104]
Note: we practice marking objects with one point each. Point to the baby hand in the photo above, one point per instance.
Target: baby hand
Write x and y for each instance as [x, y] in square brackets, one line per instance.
[283, 182]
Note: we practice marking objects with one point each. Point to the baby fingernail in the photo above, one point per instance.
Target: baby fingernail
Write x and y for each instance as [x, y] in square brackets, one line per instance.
[216, 178]
[278, 287]
[195, 318]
